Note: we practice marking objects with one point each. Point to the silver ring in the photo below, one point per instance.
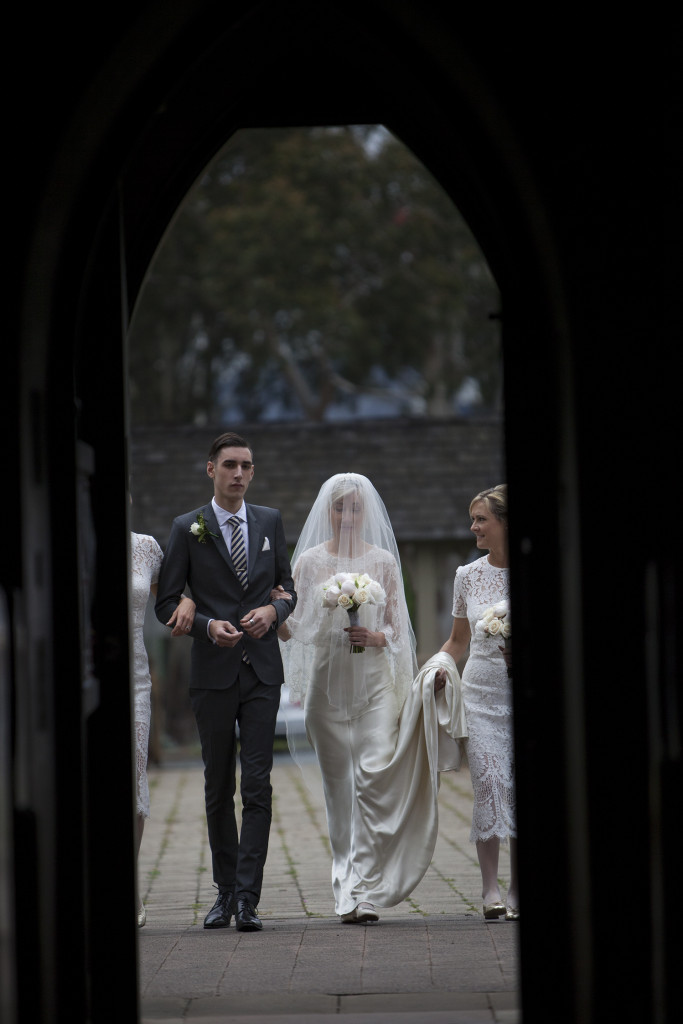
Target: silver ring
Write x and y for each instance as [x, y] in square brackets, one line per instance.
[251, 622]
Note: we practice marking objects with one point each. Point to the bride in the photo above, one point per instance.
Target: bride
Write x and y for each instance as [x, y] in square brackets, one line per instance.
[380, 777]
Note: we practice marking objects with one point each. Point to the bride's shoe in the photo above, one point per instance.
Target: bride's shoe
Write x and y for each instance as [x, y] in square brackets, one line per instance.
[142, 915]
[492, 911]
[366, 913]
[512, 914]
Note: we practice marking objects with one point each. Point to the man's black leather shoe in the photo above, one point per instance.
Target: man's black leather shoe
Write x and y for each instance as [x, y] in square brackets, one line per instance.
[221, 912]
[246, 918]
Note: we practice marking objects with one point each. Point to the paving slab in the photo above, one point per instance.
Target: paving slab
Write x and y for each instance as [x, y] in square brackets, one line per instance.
[433, 959]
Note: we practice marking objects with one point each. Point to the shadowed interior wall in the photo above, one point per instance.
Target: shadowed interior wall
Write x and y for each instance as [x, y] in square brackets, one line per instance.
[563, 157]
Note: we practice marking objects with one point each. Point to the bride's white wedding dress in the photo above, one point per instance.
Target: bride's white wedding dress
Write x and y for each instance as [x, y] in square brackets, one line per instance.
[380, 782]
[487, 695]
[146, 558]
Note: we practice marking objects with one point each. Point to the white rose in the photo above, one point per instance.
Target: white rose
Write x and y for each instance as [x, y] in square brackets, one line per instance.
[348, 587]
[361, 597]
[375, 591]
[488, 615]
[195, 529]
[344, 601]
[494, 627]
[506, 630]
[480, 629]
[501, 609]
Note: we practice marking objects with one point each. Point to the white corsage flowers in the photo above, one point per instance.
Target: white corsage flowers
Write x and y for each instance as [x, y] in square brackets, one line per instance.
[200, 530]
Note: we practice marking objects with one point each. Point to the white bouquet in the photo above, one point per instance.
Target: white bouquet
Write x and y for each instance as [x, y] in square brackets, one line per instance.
[496, 622]
[351, 591]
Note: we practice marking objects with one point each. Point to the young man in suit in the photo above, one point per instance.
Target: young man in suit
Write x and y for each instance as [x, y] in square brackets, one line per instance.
[232, 555]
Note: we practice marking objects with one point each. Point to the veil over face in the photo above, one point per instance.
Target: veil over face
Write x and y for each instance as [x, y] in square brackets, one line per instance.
[348, 533]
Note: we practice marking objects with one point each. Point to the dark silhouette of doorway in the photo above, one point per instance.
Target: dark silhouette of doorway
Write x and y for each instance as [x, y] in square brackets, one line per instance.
[562, 156]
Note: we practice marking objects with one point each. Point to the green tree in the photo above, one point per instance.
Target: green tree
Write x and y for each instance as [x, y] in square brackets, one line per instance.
[313, 272]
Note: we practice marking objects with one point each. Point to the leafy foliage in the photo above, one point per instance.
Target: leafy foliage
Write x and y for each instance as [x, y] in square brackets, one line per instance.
[315, 273]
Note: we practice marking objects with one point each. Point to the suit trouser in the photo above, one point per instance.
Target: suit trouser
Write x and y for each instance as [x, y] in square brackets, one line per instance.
[238, 860]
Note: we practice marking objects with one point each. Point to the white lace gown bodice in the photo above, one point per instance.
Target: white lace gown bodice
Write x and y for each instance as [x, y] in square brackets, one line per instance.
[487, 695]
[317, 658]
[146, 558]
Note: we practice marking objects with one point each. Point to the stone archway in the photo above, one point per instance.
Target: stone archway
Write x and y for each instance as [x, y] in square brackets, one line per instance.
[534, 144]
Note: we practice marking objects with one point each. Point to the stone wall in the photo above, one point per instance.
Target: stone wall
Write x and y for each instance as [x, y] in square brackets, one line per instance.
[426, 471]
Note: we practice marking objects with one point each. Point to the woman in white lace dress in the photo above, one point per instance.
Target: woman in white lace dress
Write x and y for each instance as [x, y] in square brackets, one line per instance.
[146, 558]
[487, 694]
[380, 783]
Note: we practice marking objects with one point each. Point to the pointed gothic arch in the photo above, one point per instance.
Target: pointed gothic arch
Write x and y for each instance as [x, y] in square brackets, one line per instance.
[575, 223]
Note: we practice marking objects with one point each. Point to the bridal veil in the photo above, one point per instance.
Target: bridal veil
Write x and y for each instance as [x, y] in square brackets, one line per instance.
[348, 531]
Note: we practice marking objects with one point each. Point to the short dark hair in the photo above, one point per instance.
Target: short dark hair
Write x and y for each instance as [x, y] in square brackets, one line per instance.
[228, 440]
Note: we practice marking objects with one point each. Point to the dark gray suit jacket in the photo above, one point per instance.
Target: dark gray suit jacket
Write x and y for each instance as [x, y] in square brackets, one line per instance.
[207, 569]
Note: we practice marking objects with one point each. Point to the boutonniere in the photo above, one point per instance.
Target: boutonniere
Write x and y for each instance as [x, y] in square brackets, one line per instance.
[266, 545]
[200, 530]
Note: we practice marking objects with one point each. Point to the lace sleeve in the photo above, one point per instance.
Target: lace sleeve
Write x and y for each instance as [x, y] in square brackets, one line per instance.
[157, 556]
[392, 617]
[310, 623]
[460, 594]
[147, 557]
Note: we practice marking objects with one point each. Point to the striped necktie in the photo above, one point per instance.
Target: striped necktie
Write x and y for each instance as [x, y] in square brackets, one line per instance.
[237, 550]
[239, 560]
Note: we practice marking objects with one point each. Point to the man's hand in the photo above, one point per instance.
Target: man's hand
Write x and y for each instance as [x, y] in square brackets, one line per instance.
[256, 623]
[224, 633]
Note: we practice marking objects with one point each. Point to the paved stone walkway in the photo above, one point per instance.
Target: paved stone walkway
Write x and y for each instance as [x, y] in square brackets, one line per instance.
[432, 959]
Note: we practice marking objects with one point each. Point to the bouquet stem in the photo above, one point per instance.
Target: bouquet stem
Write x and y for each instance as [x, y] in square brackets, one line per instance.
[353, 621]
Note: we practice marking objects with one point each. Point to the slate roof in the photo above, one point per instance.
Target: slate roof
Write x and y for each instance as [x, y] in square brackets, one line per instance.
[426, 471]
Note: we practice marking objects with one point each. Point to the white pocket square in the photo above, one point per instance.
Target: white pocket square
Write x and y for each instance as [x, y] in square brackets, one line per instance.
[266, 545]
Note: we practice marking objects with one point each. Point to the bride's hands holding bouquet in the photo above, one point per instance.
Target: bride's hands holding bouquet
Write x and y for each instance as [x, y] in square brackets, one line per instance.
[359, 636]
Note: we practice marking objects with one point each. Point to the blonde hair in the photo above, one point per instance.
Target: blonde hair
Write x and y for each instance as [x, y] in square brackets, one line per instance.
[496, 501]
[344, 484]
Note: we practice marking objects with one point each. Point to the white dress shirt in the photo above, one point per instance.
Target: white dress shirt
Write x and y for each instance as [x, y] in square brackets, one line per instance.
[223, 517]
